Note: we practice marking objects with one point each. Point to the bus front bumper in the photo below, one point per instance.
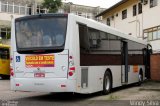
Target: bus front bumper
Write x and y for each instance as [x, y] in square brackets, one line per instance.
[43, 85]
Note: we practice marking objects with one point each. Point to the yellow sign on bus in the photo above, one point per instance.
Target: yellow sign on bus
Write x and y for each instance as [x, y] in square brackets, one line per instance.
[39, 61]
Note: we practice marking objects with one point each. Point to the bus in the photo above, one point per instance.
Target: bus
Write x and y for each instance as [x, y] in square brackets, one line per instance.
[69, 53]
[4, 61]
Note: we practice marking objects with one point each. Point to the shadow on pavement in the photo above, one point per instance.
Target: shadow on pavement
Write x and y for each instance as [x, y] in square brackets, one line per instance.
[62, 97]
[69, 97]
[73, 99]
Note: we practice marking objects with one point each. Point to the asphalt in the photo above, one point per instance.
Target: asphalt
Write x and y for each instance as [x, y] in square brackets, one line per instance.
[150, 86]
[148, 92]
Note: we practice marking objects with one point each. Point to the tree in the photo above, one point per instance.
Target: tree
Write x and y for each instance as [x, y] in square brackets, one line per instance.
[52, 5]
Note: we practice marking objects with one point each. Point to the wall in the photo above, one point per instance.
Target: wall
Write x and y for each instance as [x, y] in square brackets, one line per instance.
[155, 67]
[7, 17]
[131, 25]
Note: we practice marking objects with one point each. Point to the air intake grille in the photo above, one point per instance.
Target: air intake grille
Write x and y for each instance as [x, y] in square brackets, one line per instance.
[84, 77]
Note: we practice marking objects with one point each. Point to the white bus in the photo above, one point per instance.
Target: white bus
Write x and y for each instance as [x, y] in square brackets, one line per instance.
[69, 53]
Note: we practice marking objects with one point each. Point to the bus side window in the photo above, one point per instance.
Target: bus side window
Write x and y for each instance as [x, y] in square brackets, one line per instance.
[94, 38]
[4, 53]
[83, 38]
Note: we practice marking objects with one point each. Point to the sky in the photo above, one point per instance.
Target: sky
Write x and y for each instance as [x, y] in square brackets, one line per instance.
[94, 3]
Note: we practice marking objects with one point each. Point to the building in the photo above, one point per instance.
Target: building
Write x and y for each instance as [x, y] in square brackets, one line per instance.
[138, 18]
[81, 10]
[16, 8]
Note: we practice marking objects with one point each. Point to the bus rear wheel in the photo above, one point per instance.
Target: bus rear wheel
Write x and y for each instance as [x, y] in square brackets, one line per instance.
[107, 83]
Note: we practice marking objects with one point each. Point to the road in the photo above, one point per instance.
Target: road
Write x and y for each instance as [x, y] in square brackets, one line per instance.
[119, 96]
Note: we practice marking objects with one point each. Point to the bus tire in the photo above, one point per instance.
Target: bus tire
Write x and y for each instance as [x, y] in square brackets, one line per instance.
[107, 83]
[140, 77]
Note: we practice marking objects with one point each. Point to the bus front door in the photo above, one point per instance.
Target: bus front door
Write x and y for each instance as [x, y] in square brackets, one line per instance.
[124, 68]
[146, 60]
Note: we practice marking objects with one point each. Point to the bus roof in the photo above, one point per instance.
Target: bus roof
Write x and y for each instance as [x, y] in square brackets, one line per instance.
[105, 28]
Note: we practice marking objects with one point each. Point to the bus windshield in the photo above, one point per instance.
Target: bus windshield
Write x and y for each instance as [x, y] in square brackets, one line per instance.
[40, 33]
[4, 53]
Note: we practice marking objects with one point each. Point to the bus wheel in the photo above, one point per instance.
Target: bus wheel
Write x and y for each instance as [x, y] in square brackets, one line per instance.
[107, 83]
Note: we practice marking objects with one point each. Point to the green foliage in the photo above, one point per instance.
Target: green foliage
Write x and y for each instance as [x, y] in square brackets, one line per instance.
[52, 5]
[113, 97]
[8, 36]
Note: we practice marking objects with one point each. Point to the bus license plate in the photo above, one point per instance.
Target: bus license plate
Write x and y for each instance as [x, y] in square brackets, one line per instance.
[39, 74]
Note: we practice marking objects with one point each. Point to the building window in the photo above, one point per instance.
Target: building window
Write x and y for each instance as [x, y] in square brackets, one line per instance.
[22, 10]
[134, 10]
[82, 14]
[89, 15]
[139, 8]
[153, 33]
[40, 10]
[29, 10]
[5, 33]
[158, 33]
[150, 36]
[79, 13]
[108, 21]
[4, 7]
[153, 3]
[117, 15]
[145, 35]
[16, 9]
[10, 8]
[124, 14]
